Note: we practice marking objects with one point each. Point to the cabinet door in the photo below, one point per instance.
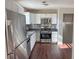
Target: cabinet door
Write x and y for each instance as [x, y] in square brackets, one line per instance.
[33, 18]
[38, 19]
[27, 15]
[33, 39]
[54, 37]
[54, 19]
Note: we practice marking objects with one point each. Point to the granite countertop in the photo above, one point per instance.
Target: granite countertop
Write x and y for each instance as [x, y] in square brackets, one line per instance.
[31, 31]
[41, 29]
[29, 34]
[36, 27]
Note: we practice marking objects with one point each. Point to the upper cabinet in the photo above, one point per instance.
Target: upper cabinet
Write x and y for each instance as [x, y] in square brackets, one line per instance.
[32, 18]
[27, 15]
[52, 16]
[38, 20]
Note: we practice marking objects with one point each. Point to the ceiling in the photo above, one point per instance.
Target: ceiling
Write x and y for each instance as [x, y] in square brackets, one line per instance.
[37, 4]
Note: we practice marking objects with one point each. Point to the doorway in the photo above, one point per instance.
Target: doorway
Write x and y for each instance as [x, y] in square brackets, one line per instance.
[67, 28]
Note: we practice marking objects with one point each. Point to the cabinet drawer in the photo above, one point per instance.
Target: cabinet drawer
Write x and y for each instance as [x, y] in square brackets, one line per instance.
[54, 40]
[54, 37]
[54, 34]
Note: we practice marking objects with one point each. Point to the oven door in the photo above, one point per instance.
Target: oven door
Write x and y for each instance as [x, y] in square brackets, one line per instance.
[45, 37]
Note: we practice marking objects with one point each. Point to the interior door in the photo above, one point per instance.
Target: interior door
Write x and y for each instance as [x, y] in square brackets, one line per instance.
[68, 33]
[67, 28]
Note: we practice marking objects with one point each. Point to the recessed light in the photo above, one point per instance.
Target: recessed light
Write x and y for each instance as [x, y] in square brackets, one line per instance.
[45, 3]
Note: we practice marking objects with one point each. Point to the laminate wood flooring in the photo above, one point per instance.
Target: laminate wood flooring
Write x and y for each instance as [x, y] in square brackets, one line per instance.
[50, 51]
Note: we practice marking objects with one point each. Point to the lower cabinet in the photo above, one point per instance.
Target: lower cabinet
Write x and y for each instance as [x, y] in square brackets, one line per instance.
[32, 40]
[54, 37]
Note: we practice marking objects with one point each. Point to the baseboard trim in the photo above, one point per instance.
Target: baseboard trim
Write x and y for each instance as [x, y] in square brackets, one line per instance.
[46, 43]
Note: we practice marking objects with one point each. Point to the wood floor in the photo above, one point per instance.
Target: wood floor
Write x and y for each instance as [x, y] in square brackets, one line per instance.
[50, 51]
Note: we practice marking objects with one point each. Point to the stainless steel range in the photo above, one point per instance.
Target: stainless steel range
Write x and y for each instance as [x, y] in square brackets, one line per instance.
[45, 36]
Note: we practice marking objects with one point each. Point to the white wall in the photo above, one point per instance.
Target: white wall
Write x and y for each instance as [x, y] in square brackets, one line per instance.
[62, 11]
[14, 6]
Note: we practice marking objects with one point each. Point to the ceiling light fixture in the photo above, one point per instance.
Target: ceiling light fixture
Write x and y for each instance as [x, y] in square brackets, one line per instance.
[45, 3]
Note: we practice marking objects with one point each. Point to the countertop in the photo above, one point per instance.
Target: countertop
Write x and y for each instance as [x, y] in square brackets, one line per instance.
[41, 29]
[31, 31]
[29, 34]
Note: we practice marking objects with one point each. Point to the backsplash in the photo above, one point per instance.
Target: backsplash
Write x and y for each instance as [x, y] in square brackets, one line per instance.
[39, 26]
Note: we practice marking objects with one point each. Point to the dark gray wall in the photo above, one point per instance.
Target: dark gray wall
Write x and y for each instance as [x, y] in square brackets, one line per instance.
[68, 28]
[68, 33]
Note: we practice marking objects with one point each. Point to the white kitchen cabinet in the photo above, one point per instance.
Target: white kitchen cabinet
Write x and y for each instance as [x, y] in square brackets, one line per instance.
[32, 40]
[32, 18]
[52, 16]
[38, 20]
[35, 18]
[54, 37]
[27, 15]
[54, 19]
[38, 36]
